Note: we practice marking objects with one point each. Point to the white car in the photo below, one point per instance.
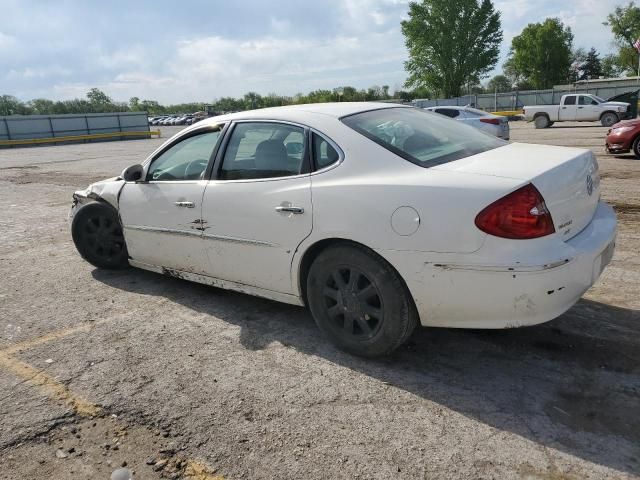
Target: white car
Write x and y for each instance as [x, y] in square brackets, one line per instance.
[578, 108]
[375, 216]
[495, 125]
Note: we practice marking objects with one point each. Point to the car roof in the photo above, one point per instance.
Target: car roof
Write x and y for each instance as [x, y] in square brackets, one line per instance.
[335, 110]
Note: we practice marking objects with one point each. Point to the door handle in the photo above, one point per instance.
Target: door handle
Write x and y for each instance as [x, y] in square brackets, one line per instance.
[295, 210]
[184, 204]
[580, 107]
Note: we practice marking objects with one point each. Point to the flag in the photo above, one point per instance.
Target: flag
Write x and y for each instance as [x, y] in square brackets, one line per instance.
[637, 45]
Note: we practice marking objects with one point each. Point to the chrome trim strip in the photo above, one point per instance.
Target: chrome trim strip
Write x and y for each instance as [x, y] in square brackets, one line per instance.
[223, 238]
[171, 231]
[209, 236]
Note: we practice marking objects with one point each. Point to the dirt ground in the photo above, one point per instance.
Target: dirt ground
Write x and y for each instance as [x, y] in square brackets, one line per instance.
[105, 370]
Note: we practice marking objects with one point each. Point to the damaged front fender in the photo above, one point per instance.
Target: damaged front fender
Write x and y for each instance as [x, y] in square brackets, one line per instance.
[106, 190]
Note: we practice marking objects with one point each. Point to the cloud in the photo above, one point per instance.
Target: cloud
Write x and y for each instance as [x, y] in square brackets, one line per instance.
[201, 51]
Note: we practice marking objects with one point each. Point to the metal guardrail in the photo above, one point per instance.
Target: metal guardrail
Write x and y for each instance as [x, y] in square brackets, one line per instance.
[28, 127]
[76, 138]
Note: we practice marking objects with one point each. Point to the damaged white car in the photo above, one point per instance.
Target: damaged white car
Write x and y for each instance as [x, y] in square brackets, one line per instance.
[377, 217]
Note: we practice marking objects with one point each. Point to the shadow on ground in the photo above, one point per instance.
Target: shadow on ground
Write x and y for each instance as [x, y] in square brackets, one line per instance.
[572, 384]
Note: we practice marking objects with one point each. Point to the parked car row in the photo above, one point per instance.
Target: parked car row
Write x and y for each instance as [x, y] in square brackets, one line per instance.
[183, 119]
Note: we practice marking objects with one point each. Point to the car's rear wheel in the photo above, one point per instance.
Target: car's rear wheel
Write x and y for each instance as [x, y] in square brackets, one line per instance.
[98, 236]
[609, 119]
[359, 301]
[542, 121]
[636, 147]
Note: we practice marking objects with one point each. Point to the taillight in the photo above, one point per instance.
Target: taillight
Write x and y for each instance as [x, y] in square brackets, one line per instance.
[492, 121]
[520, 215]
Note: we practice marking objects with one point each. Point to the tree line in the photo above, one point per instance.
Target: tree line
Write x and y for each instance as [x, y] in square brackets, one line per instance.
[97, 101]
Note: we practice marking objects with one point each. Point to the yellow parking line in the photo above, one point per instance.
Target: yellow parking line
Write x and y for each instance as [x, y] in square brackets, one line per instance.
[27, 344]
[54, 389]
[49, 386]
[45, 382]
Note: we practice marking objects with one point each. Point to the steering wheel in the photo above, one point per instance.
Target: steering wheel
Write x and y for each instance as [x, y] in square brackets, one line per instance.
[195, 167]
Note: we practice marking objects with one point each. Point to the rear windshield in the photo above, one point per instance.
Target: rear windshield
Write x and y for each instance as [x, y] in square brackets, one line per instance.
[421, 137]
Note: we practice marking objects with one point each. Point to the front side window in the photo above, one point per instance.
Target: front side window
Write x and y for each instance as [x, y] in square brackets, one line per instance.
[263, 150]
[421, 137]
[187, 159]
[323, 153]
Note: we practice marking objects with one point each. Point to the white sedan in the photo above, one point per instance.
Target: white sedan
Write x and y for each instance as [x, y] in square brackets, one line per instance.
[375, 216]
[495, 125]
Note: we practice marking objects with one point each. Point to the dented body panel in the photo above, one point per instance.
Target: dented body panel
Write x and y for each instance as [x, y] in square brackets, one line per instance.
[421, 220]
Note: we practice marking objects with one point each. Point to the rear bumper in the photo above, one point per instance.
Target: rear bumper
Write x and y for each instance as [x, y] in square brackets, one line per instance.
[491, 296]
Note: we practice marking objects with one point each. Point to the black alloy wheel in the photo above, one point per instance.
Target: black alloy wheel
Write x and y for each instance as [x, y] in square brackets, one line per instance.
[359, 301]
[98, 236]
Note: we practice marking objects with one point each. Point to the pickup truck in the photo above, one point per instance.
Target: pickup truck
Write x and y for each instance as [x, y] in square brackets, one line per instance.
[577, 108]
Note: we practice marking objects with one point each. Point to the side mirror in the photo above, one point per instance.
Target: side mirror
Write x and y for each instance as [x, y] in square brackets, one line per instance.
[133, 173]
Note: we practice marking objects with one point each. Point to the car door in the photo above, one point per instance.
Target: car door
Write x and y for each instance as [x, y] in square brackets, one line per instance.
[162, 215]
[257, 207]
[568, 109]
[588, 109]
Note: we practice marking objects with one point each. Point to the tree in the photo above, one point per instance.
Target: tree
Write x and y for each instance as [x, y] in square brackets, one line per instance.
[611, 66]
[10, 105]
[592, 67]
[451, 43]
[578, 60]
[97, 97]
[134, 104]
[500, 84]
[542, 53]
[41, 106]
[625, 26]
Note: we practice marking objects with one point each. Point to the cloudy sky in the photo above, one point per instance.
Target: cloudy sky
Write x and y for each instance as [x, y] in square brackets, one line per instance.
[198, 50]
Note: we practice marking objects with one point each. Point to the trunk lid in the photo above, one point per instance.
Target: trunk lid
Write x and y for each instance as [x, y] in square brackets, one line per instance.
[567, 178]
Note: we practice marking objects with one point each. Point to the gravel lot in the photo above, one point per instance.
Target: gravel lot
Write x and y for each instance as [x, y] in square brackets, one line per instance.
[176, 380]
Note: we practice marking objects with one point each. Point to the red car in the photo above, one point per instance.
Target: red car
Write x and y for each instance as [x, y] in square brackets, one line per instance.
[624, 137]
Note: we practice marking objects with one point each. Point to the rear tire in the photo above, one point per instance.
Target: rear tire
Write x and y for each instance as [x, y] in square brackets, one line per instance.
[636, 147]
[97, 234]
[359, 301]
[609, 119]
[542, 121]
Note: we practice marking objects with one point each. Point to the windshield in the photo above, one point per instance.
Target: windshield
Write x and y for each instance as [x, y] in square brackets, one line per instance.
[423, 138]
[600, 100]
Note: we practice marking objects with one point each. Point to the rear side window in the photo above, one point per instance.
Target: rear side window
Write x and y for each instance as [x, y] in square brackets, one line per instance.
[449, 112]
[570, 101]
[421, 137]
[323, 153]
[263, 150]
